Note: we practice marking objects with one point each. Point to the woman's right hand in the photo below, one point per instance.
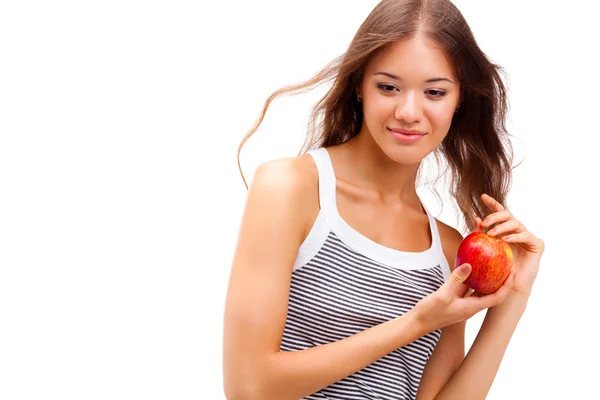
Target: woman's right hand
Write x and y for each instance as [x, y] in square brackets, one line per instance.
[453, 303]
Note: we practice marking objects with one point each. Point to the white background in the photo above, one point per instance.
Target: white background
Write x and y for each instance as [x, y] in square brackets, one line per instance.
[120, 197]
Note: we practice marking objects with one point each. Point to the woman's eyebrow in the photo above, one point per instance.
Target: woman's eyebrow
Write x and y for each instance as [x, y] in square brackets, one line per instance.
[399, 79]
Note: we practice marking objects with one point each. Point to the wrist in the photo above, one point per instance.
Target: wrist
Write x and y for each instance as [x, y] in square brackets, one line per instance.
[515, 303]
[522, 296]
[418, 322]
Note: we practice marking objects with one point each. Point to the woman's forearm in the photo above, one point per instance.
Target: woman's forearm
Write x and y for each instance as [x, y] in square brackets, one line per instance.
[474, 378]
[296, 374]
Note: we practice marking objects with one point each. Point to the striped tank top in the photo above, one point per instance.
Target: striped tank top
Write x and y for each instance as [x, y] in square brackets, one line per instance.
[343, 283]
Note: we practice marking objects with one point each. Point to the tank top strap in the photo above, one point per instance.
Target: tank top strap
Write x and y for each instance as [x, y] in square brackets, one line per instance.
[435, 235]
[327, 184]
[360, 243]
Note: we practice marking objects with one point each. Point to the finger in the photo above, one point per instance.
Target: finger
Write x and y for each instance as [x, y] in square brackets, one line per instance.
[511, 226]
[526, 239]
[458, 276]
[463, 291]
[478, 227]
[521, 237]
[491, 203]
[497, 217]
[478, 301]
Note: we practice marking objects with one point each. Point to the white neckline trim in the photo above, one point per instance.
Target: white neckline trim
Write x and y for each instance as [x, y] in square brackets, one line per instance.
[351, 237]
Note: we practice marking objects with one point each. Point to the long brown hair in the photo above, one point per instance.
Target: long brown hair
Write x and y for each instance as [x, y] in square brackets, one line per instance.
[476, 150]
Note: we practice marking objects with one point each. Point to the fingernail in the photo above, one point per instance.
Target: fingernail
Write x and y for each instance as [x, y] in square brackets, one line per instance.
[465, 268]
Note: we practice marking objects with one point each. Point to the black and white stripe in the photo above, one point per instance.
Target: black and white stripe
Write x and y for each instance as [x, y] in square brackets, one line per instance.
[344, 283]
[339, 293]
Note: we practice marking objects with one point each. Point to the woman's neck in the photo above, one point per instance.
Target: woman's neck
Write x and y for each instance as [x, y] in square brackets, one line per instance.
[361, 162]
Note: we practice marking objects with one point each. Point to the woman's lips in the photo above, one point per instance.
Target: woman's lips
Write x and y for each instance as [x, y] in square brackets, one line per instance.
[406, 136]
[408, 131]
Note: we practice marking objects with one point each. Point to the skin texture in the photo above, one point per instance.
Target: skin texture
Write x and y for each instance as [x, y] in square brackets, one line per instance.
[408, 102]
[376, 195]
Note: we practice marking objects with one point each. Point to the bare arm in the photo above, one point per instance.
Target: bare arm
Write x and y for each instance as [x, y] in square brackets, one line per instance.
[446, 377]
[450, 349]
[273, 227]
[444, 361]
[448, 373]
[476, 373]
[272, 230]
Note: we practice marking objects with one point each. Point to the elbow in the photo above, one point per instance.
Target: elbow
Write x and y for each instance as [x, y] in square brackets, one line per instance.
[236, 386]
[245, 388]
[249, 392]
[242, 393]
[253, 391]
[250, 379]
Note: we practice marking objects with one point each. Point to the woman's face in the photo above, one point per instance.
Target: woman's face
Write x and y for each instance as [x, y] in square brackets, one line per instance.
[410, 85]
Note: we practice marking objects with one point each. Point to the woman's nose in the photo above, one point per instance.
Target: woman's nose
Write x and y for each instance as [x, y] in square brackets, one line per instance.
[409, 108]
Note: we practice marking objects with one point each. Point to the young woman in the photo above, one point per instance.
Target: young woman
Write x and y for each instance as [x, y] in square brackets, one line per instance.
[343, 284]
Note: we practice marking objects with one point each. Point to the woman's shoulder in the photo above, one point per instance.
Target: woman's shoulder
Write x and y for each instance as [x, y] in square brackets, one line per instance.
[293, 182]
[295, 174]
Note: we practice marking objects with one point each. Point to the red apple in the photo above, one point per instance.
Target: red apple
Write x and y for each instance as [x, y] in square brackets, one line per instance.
[491, 261]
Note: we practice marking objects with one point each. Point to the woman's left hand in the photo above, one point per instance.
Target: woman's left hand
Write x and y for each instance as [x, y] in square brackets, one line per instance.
[527, 248]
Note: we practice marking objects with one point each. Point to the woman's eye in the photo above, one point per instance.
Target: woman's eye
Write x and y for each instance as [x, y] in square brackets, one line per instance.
[437, 93]
[390, 88]
[386, 88]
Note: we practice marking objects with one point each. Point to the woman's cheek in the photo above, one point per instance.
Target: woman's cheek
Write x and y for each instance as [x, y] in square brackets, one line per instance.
[442, 118]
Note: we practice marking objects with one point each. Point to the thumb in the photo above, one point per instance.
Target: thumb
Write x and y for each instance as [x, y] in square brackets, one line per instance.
[459, 275]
